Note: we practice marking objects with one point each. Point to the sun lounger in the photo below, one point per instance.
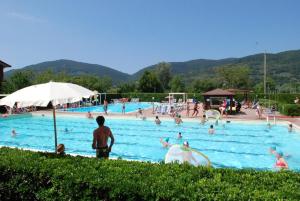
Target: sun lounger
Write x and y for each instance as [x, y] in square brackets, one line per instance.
[135, 100]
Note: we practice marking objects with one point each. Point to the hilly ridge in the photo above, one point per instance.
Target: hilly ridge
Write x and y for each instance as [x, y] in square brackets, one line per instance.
[282, 67]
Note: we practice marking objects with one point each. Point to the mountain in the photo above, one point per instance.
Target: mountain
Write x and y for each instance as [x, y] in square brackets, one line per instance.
[75, 68]
[282, 67]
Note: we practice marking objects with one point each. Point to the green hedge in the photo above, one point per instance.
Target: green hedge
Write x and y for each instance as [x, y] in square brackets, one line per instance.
[289, 109]
[26, 175]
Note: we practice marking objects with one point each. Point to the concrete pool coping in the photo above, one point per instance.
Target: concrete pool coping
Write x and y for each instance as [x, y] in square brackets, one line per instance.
[163, 118]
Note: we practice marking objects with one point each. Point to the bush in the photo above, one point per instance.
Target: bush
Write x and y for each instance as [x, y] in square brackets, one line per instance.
[290, 109]
[29, 175]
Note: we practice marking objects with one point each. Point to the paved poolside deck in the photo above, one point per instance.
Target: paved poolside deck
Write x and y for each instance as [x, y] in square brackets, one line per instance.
[245, 114]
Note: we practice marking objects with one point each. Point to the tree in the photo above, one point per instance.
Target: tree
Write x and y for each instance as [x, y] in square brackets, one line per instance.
[126, 87]
[177, 85]
[200, 86]
[164, 74]
[271, 85]
[18, 80]
[149, 83]
[234, 76]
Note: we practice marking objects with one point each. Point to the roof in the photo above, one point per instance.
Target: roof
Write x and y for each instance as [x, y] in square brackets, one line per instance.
[4, 65]
[218, 92]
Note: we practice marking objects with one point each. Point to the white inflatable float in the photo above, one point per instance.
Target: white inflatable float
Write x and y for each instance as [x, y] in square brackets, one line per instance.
[178, 153]
[212, 114]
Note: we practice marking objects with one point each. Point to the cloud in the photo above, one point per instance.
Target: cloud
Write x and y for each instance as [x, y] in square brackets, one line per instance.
[25, 17]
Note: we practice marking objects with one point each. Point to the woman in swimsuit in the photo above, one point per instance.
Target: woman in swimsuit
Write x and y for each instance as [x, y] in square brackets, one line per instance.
[280, 162]
[195, 109]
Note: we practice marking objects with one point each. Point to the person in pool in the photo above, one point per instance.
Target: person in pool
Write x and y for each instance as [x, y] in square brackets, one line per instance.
[290, 128]
[280, 162]
[211, 130]
[165, 143]
[187, 155]
[203, 119]
[157, 120]
[179, 136]
[89, 115]
[13, 133]
[178, 120]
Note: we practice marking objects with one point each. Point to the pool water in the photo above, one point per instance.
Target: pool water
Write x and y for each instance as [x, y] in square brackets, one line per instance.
[113, 108]
[238, 144]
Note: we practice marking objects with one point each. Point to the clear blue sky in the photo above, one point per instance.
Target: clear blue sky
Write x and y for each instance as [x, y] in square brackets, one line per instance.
[128, 35]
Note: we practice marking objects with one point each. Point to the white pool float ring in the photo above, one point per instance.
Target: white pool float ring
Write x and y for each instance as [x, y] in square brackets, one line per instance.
[178, 153]
[213, 114]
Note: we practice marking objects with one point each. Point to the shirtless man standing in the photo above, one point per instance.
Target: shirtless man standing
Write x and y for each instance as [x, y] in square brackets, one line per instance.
[100, 137]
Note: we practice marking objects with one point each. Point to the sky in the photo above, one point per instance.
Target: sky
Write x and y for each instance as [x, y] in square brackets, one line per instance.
[128, 35]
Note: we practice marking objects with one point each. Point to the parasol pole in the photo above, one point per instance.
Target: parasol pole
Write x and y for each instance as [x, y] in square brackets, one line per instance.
[55, 132]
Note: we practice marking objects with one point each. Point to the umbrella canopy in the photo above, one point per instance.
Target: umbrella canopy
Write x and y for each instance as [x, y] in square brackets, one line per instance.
[42, 94]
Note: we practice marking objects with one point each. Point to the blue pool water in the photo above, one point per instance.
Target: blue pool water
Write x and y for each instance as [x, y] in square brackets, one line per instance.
[113, 108]
[237, 145]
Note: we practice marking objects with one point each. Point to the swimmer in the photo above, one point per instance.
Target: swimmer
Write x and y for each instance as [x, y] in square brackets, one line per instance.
[280, 162]
[290, 129]
[89, 115]
[179, 136]
[178, 120]
[211, 130]
[217, 122]
[66, 130]
[203, 119]
[269, 125]
[13, 133]
[187, 155]
[157, 120]
[165, 143]
[272, 150]
[43, 115]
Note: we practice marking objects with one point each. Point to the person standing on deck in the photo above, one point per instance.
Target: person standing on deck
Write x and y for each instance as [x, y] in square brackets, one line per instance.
[100, 138]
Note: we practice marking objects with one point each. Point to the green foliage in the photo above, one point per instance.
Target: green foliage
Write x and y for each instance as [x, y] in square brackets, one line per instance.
[149, 83]
[17, 81]
[204, 85]
[126, 87]
[289, 109]
[177, 85]
[234, 76]
[164, 74]
[29, 175]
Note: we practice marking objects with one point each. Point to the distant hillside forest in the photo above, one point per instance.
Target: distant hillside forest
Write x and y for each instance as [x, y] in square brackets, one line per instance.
[283, 75]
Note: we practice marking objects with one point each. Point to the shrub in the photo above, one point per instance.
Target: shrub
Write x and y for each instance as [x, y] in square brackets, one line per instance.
[29, 175]
[290, 109]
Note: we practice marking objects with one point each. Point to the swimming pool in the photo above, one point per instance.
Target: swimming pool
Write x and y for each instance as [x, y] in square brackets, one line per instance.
[113, 108]
[239, 144]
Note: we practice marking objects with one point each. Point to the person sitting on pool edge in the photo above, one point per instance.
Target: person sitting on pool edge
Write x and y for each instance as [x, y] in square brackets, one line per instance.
[89, 115]
[165, 143]
[61, 149]
[280, 162]
[157, 120]
[211, 130]
[100, 138]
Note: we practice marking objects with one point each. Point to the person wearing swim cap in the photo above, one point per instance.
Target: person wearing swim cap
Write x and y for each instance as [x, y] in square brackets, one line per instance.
[273, 150]
[280, 162]
[165, 143]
